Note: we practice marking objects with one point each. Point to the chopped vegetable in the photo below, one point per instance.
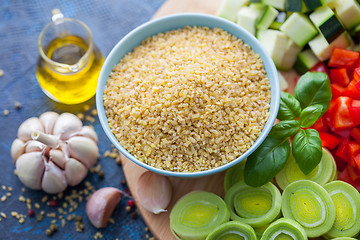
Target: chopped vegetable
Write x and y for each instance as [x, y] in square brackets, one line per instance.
[232, 230]
[284, 228]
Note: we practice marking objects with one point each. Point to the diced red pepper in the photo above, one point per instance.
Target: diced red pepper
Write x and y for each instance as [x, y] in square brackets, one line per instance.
[354, 173]
[337, 90]
[329, 141]
[341, 151]
[353, 149]
[354, 111]
[355, 133]
[357, 161]
[320, 67]
[339, 76]
[345, 176]
[341, 57]
[353, 89]
[321, 124]
[339, 114]
[356, 73]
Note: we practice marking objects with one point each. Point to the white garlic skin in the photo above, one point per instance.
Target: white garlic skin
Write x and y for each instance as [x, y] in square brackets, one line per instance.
[75, 171]
[30, 168]
[101, 205]
[67, 124]
[58, 157]
[83, 149]
[48, 120]
[26, 128]
[53, 180]
[89, 132]
[153, 191]
[17, 149]
[34, 146]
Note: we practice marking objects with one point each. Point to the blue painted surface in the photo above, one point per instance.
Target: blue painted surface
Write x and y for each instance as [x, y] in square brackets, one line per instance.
[20, 25]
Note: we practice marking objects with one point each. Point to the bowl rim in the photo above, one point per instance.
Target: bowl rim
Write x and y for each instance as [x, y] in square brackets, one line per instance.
[171, 22]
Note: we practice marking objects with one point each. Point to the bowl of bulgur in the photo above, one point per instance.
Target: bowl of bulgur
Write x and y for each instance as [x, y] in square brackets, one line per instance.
[187, 95]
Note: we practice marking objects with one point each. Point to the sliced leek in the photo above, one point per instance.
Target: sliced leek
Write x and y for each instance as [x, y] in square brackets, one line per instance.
[254, 206]
[322, 173]
[347, 209]
[232, 230]
[344, 238]
[234, 175]
[196, 214]
[310, 205]
[284, 229]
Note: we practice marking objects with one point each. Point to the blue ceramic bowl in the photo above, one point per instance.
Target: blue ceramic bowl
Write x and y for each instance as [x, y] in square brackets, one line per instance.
[135, 37]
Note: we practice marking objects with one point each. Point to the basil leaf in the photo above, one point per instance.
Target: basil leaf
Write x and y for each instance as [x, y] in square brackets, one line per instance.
[289, 108]
[309, 115]
[285, 129]
[266, 161]
[307, 149]
[313, 88]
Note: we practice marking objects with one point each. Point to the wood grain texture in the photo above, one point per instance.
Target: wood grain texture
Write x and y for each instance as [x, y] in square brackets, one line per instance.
[159, 224]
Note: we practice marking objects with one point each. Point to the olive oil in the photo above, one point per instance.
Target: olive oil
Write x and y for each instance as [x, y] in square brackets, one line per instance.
[66, 83]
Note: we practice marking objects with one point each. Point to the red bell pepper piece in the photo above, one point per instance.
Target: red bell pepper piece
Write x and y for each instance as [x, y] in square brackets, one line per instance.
[353, 149]
[337, 90]
[355, 133]
[357, 161]
[342, 149]
[346, 176]
[356, 73]
[320, 67]
[339, 76]
[342, 58]
[353, 89]
[329, 141]
[320, 124]
[339, 114]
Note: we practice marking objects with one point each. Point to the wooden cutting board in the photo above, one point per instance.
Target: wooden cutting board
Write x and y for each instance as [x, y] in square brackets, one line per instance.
[159, 224]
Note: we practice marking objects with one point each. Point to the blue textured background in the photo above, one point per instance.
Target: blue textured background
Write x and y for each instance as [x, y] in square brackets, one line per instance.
[20, 25]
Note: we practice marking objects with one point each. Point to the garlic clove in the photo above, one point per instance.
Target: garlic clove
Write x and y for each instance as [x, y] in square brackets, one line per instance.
[66, 124]
[53, 180]
[153, 191]
[34, 146]
[17, 148]
[101, 205]
[75, 171]
[83, 149]
[58, 157]
[89, 132]
[27, 127]
[30, 168]
[48, 119]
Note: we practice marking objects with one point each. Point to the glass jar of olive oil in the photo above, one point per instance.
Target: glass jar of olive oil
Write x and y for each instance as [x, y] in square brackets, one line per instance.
[69, 64]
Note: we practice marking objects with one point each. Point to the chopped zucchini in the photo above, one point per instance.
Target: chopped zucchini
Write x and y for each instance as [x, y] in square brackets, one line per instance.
[293, 5]
[322, 49]
[327, 23]
[299, 28]
[312, 4]
[330, 3]
[278, 4]
[267, 17]
[281, 17]
[275, 25]
[305, 60]
[284, 85]
[229, 8]
[348, 11]
[248, 17]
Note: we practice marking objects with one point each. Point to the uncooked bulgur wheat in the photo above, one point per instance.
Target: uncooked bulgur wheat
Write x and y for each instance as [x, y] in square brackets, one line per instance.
[188, 100]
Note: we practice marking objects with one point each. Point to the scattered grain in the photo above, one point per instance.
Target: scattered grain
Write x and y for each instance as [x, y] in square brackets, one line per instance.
[1, 72]
[6, 112]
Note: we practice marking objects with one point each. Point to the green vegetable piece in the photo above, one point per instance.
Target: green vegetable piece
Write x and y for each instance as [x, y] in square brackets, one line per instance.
[312, 4]
[347, 208]
[285, 129]
[234, 175]
[233, 230]
[196, 214]
[309, 115]
[307, 149]
[289, 108]
[284, 228]
[254, 206]
[310, 205]
[321, 174]
[313, 88]
[266, 161]
[344, 238]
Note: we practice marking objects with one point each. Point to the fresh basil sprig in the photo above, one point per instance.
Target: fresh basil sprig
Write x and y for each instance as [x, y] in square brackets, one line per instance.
[311, 99]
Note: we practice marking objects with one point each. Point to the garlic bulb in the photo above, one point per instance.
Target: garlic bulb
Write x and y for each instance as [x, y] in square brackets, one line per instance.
[54, 151]
[153, 191]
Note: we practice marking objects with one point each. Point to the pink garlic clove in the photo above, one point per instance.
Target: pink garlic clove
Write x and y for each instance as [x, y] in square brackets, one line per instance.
[58, 157]
[27, 127]
[83, 149]
[34, 146]
[67, 124]
[75, 171]
[17, 148]
[53, 180]
[153, 192]
[101, 205]
[89, 132]
[48, 120]
[30, 168]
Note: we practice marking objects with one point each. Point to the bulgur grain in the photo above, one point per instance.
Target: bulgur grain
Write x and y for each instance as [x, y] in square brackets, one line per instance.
[188, 100]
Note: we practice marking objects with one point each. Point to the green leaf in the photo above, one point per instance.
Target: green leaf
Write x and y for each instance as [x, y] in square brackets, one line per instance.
[266, 161]
[285, 129]
[289, 108]
[313, 88]
[307, 149]
[309, 115]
